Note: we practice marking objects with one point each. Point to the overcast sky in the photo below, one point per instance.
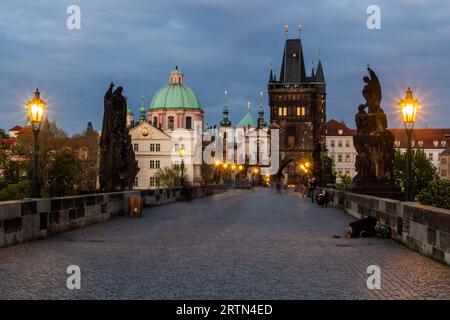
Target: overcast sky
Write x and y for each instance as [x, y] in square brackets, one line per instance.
[219, 45]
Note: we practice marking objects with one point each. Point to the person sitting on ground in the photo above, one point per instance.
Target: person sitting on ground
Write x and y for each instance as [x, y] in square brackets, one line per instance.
[323, 198]
[364, 227]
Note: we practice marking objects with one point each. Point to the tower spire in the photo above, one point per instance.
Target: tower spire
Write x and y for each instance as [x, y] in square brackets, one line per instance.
[225, 121]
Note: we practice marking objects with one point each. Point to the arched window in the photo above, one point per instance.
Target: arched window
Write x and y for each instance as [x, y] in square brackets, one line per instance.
[291, 139]
[170, 123]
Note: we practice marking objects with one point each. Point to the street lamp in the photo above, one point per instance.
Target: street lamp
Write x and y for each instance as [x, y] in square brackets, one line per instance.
[182, 153]
[409, 107]
[36, 108]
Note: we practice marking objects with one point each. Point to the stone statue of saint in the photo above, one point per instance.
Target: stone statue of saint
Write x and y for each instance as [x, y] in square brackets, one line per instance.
[118, 167]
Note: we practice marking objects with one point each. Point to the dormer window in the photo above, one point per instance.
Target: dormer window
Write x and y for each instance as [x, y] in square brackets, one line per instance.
[443, 143]
[340, 131]
[397, 143]
[436, 143]
[420, 143]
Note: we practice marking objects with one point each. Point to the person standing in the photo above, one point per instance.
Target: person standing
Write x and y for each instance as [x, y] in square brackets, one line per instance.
[313, 187]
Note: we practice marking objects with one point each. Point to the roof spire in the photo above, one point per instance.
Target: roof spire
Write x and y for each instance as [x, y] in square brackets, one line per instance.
[319, 74]
[142, 110]
[225, 121]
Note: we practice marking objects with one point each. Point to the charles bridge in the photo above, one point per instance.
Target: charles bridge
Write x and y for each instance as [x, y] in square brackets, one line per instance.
[235, 244]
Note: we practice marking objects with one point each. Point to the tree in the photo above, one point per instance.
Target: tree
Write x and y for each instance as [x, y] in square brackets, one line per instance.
[170, 176]
[10, 171]
[3, 134]
[346, 181]
[51, 139]
[423, 170]
[436, 194]
[87, 145]
[64, 174]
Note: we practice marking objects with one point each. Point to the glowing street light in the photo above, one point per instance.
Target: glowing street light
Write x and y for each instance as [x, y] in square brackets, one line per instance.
[36, 107]
[409, 107]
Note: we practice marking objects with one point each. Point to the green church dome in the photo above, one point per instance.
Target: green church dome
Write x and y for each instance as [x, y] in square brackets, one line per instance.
[175, 94]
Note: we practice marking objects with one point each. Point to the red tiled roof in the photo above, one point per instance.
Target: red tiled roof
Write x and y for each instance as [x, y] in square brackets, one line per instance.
[16, 128]
[428, 138]
[333, 129]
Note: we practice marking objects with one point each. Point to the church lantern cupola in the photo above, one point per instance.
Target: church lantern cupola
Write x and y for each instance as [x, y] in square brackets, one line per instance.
[225, 121]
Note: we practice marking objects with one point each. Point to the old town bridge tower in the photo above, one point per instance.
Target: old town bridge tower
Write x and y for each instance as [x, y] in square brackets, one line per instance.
[298, 110]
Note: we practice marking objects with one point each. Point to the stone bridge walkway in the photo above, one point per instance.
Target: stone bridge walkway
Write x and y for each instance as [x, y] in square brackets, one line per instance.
[239, 244]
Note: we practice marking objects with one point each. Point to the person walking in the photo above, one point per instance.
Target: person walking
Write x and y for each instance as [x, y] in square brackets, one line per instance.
[313, 187]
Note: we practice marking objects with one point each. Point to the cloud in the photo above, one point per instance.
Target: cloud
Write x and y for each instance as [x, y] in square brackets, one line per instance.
[220, 44]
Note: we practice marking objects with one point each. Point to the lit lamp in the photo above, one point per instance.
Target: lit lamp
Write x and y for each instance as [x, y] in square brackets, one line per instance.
[409, 107]
[182, 153]
[36, 108]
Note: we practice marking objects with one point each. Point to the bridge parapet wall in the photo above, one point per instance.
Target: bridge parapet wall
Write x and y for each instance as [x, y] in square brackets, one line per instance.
[422, 228]
[32, 219]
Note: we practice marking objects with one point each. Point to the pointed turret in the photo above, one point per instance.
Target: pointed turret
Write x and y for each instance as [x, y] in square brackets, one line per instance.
[313, 75]
[271, 76]
[261, 122]
[225, 121]
[319, 75]
[142, 116]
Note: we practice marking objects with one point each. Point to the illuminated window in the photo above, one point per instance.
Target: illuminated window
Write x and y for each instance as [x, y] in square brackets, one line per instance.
[280, 111]
[284, 111]
[303, 111]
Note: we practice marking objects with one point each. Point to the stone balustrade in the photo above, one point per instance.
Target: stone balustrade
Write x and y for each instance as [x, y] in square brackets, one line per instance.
[31, 219]
[422, 228]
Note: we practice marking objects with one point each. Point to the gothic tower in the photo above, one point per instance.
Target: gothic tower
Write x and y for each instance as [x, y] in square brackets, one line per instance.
[298, 110]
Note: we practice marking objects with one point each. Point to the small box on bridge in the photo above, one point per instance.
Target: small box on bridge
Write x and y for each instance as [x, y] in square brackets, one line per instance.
[134, 207]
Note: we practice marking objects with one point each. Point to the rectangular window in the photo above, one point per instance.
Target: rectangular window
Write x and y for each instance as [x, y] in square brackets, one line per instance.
[332, 143]
[188, 123]
[303, 111]
[299, 111]
[136, 147]
[155, 121]
[340, 158]
[136, 182]
[285, 111]
[347, 144]
[152, 147]
[158, 147]
[430, 156]
[157, 164]
[340, 144]
[154, 181]
[152, 164]
[280, 111]
[347, 158]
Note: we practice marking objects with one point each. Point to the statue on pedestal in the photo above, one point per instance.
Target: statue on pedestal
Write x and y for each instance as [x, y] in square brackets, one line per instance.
[118, 166]
[374, 145]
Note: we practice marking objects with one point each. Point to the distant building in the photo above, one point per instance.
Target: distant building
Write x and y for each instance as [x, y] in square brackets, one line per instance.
[339, 144]
[174, 107]
[15, 131]
[432, 141]
[340, 148]
[297, 101]
[444, 160]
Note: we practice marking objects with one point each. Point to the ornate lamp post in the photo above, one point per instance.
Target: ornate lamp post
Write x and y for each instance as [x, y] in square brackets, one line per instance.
[182, 153]
[409, 107]
[36, 108]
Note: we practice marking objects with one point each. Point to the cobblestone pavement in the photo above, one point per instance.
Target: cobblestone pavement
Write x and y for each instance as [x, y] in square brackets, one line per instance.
[239, 244]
